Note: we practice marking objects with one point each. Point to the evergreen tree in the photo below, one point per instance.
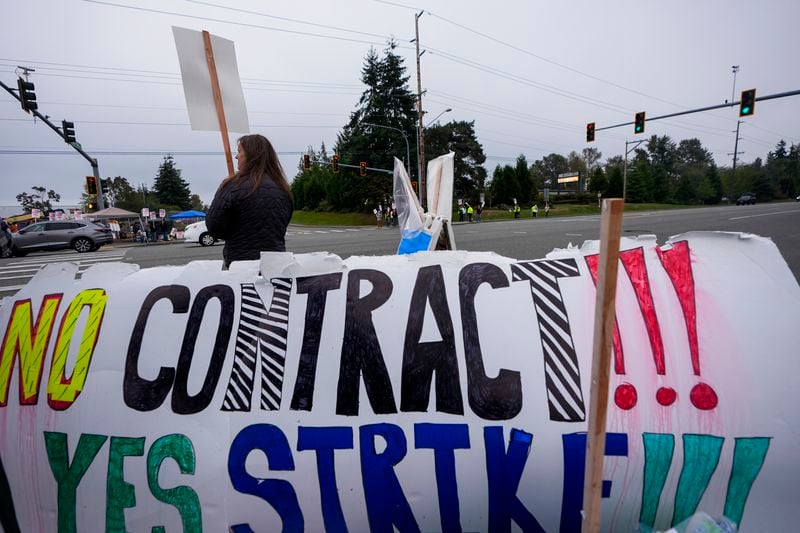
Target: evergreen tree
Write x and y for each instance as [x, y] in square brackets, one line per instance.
[523, 179]
[388, 102]
[598, 183]
[685, 192]
[715, 183]
[615, 182]
[170, 188]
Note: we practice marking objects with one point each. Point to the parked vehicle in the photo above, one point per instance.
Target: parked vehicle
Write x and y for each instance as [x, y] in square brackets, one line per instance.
[746, 198]
[80, 235]
[198, 232]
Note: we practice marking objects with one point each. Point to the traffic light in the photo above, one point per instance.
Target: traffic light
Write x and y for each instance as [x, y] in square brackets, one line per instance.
[363, 167]
[26, 95]
[590, 132]
[90, 207]
[105, 185]
[91, 185]
[306, 162]
[639, 123]
[68, 129]
[335, 163]
[747, 105]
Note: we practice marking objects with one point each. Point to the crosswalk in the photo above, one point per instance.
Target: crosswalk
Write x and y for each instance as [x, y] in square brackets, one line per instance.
[16, 272]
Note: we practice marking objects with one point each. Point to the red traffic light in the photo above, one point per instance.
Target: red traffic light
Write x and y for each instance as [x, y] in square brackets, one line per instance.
[306, 161]
[590, 132]
[363, 167]
[336, 162]
[91, 185]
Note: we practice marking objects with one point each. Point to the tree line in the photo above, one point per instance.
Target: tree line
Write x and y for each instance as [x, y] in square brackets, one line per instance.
[169, 191]
[662, 170]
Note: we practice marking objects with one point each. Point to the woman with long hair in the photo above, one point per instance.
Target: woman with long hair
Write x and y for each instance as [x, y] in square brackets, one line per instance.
[251, 209]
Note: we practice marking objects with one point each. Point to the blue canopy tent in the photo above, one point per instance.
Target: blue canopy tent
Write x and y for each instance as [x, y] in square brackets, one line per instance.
[188, 214]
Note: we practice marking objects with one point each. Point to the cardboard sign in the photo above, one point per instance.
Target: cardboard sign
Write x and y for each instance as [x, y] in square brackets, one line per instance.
[36, 213]
[162, 213]
[197, 82]
[428, 392]
[145, 212]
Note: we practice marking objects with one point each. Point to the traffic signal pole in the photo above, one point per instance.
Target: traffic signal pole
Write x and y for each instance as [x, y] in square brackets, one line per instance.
[92, 161]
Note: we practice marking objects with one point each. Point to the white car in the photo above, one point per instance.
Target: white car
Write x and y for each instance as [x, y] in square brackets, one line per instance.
[198, 232]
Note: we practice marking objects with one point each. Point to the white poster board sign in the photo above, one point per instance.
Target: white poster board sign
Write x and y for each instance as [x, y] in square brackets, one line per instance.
[36, 213]
[429, 392]
[197, 81]
[145, 212]
[162, 213]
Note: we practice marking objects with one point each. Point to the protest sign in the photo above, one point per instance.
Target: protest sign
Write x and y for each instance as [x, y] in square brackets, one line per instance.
[426, 392]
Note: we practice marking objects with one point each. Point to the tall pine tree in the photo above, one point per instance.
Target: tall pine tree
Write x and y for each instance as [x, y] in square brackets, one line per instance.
[386, 102]
[169, 187]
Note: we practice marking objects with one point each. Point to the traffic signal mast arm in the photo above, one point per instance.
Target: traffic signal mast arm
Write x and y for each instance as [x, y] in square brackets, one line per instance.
[353, 166]
[55, 128]
[700, 109]
[92, 161]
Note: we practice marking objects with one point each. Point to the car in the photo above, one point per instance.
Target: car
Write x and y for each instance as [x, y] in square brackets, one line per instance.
[746, 198]
[80, 235]
[198, 232]
[797, 199]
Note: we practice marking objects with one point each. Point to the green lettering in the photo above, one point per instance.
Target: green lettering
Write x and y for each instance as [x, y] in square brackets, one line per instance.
[119, 493]
[67, 475]
[183, 498]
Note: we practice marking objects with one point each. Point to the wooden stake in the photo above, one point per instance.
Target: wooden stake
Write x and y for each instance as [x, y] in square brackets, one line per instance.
[223, 125]
[610, 229]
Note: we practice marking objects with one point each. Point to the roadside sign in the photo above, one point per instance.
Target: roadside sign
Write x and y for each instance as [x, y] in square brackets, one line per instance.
[36, 213]
[546, 194]
[162, 213]
[146, 212]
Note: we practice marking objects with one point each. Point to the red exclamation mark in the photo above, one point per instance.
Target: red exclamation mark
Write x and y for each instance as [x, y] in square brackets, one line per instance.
[633, 261]
[625, 395]
[678, 265]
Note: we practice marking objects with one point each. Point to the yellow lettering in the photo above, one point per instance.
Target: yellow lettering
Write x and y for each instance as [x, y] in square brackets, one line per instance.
[62, 390]
[30, 342]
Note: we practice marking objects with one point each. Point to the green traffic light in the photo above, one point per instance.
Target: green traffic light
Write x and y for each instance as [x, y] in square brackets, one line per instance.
[745, 110]
[638, 128]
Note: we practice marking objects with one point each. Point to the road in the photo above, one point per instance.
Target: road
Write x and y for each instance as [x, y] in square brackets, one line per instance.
[524, 238]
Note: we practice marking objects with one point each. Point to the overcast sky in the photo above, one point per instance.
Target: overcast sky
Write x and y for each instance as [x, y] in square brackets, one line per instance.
[530, 74]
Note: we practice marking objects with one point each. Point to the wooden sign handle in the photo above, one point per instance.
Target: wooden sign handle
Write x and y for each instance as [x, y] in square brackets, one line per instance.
[223, 125]
[610, 230]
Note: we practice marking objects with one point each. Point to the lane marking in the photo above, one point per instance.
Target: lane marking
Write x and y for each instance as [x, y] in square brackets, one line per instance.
[574, 234]
[765, 214]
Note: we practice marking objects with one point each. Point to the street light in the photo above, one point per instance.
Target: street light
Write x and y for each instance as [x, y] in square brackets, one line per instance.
[439, 115]
[405, 138]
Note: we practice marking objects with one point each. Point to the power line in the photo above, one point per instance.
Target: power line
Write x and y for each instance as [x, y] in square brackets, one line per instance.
[158, 73]
[286, 19]
[244, 24]
[132, 123]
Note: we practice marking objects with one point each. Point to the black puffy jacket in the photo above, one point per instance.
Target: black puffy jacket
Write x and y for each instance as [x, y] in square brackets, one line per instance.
[250, 222]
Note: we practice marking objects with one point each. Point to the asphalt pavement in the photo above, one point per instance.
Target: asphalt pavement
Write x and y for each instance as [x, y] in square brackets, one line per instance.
[524, 238]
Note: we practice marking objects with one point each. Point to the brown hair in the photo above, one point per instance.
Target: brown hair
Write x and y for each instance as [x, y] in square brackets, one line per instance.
[260, 160]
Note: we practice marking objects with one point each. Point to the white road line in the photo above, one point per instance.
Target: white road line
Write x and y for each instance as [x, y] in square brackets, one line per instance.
[521, 232]
[766, 214]
[39, 264]
[574, 234]
[69, 258]
[21, 276]
[11, 288]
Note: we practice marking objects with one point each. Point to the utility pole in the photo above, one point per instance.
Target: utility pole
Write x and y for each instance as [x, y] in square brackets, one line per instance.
[736, 151]
[421, 185]
[92, 161]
